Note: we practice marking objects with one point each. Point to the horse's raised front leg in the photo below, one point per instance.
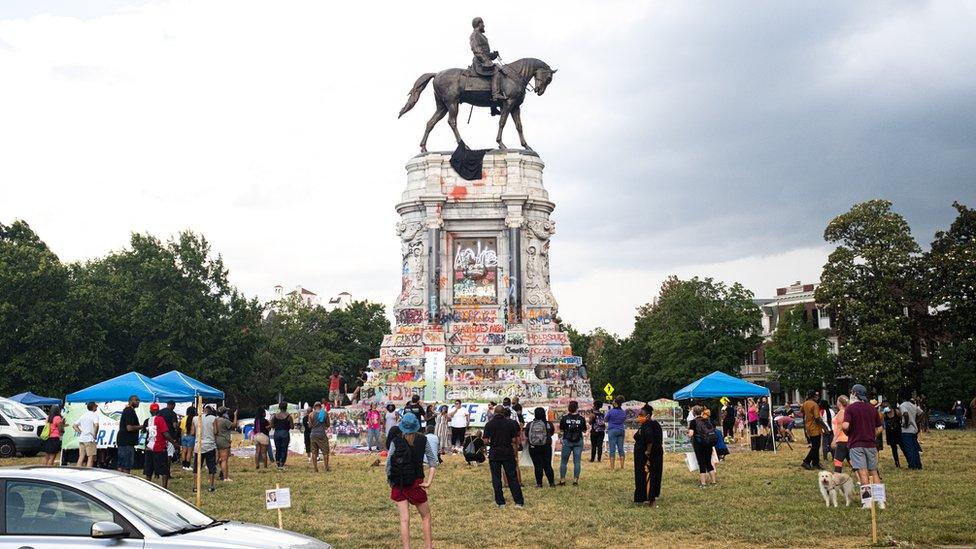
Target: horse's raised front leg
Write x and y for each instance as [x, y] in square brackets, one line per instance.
[452, 110]
[506, 108]
[517, 118]
[438, 114]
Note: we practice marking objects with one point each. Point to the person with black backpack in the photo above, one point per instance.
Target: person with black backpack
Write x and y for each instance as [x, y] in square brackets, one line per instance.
[598, 429]
[539, 433]
[571, 428]
[405, 473]
[703, 438]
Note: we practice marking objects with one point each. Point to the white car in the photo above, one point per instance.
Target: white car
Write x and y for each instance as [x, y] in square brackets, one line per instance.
[48, 507]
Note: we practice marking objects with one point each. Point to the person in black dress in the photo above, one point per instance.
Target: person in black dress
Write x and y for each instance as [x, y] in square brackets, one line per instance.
[648, 458]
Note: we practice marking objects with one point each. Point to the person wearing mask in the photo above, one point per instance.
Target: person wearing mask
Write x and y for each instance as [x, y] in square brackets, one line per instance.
[813, 427]
[827, 422]
[158, 436]
[187, 440]
[374, 423]
[55, 426]
[598, 429]
[892, 425]
[615, 430]
[572, 427]
[648, 458]
[392, 420]
[87, 429]
[205, 427]
[909, 431]
[538, 434]
[459, 421]
[405, 473]
[862, 424]
[222, 439]
[307, 433]
[318, 423]
[502, 436]
[282, 423]
[703, 437]
[128, 436]
[261, 439]
[838, 445]
[442, 430]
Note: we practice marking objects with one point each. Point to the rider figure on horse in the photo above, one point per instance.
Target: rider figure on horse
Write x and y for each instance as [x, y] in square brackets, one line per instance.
[483, 62]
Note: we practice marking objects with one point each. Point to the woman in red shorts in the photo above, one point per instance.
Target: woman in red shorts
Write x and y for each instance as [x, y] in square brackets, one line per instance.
[405, 472]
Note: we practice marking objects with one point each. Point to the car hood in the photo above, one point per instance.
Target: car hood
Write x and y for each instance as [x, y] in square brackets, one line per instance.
[241, 535]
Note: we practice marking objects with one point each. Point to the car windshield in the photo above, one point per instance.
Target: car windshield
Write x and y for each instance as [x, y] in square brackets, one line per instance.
[160, 509]
[36, 412]
[14, 410]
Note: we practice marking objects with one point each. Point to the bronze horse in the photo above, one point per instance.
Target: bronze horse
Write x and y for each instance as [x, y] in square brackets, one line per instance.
[453, 87]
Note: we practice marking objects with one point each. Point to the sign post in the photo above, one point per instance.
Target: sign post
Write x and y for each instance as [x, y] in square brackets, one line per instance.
[608, 389]
[873, 494]
[279, 498]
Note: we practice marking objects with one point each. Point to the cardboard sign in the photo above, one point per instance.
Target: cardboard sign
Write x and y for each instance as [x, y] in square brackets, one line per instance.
[279, 498]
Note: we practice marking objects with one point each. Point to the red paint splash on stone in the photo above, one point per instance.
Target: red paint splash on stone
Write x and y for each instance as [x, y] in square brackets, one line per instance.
[459, 192]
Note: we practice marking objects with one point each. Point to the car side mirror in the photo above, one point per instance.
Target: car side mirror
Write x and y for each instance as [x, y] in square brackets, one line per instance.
[107, 530]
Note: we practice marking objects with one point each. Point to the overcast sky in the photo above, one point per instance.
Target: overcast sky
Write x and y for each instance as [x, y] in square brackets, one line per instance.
[696, 139]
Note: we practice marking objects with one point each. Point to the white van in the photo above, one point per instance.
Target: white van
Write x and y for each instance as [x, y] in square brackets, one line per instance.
[19, 430]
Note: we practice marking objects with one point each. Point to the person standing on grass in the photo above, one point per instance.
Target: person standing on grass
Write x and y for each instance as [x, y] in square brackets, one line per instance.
[158, 436]
[517, 411]
[173, 422]
[392, 420]
[648, 458]
[827, 422]
[909, 431]
[764, 415]
[373, 425]
[892, 425]
[615, 430]
[703, 437]
[261, 439]
[87, 429]
[502, 436]
[740, 421]
[960, 412]
[306, 432]
[459, 421]
[430, 420]
[222, 438]
[405, 473]
[282, 423]
[336, 383]
[753, 415]
[128, 436]
[728, 419]
[442, 429]
[572, 426]
[538, 433]
[205, 427]
[839, 443]
[813, 427]
[598, 430]
[187, 442]
[862, 424]
[318, 424]
[415, 407]
[55, 426]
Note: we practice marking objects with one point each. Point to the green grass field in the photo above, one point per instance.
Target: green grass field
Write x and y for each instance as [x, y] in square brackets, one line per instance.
[762, 499]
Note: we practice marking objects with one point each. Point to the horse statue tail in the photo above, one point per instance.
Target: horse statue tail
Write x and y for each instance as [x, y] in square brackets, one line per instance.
[418, 88]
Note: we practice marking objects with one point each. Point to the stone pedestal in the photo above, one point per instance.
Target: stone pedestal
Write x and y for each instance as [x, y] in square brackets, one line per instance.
[476, 319]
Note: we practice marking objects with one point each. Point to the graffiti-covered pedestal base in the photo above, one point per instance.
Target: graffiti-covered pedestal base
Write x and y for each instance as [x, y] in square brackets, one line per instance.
[476, 319]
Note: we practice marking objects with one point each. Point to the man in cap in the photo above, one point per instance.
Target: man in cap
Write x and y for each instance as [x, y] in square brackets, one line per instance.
[862, 425]
[157, 435]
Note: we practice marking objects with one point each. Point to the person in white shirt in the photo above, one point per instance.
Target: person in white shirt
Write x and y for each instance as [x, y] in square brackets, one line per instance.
[87, 429]
[909, 431]
[459, 421]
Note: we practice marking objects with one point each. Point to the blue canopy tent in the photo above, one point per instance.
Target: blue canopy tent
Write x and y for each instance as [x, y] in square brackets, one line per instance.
[30, 399]
[120, 388]
[719, 384]
[179, 381]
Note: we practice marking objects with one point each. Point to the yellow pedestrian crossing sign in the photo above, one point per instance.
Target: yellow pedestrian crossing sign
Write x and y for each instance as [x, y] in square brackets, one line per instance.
[608, 389]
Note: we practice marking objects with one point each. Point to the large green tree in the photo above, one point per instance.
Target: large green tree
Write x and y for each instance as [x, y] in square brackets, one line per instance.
[872, 286]
[694, 327]
[799, 353]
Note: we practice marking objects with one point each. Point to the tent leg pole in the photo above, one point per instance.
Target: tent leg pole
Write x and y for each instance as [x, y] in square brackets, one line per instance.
[772, 430]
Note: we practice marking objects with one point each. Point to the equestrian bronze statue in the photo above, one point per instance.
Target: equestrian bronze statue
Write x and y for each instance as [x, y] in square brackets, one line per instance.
[484, 84]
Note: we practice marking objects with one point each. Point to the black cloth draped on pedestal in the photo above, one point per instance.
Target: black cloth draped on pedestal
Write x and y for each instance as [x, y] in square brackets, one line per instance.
[467, 163]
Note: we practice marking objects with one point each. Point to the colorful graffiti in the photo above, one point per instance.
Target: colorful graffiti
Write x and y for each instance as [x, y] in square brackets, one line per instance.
[475, 271]
[411, 316]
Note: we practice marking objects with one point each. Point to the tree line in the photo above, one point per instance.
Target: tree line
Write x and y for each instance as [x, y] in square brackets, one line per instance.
[156, 306]
[905, 320]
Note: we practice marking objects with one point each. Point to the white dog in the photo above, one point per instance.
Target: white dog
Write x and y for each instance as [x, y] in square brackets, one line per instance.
[830, 483]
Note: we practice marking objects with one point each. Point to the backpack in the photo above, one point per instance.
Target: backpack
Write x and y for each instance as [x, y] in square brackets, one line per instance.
[599, 423]
[538, 433]
[573, 432]
[403, 471]
[705, 434]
